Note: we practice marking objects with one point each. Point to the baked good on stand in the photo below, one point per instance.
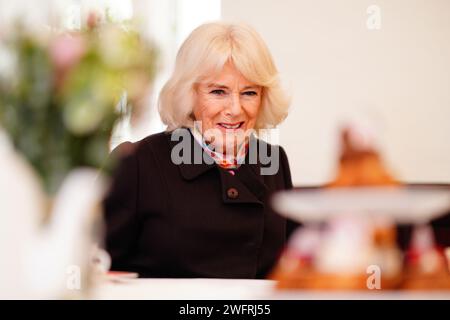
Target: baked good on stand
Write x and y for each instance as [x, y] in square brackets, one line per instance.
[426, 267]
[347, 252]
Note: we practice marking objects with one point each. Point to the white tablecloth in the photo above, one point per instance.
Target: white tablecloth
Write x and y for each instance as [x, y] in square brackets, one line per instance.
[234, 289]
[204, 289]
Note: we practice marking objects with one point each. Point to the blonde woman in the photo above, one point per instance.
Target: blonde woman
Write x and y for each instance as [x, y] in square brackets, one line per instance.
[193, 201]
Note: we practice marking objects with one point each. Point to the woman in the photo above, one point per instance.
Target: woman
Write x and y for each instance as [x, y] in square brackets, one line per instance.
[194, 201]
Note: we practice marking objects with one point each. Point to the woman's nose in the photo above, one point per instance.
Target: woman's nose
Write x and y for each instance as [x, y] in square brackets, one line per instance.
[234, 106]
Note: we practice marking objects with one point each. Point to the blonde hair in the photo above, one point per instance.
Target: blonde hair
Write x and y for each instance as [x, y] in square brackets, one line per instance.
[206, 50]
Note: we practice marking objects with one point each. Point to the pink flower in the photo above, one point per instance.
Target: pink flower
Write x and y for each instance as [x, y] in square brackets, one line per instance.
[66, 51]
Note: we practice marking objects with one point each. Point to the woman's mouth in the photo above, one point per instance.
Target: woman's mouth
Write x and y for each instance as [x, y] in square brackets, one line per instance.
[230, 126]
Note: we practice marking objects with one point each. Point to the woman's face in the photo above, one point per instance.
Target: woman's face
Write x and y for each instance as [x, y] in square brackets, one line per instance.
[227, 106]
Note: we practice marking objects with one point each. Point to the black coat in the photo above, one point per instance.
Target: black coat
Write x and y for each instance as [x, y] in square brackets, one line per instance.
[192, 220]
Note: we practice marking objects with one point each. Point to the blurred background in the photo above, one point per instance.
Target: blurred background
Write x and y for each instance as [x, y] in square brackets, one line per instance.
[382, 61]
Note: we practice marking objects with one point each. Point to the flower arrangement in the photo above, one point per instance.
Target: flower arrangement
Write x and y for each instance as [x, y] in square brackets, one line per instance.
[60, 94]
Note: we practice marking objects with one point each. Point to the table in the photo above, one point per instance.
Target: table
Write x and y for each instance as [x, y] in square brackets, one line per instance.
[235, 289]
[180, 289]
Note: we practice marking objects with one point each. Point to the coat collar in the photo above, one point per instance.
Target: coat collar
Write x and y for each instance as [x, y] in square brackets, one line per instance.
[248, 180]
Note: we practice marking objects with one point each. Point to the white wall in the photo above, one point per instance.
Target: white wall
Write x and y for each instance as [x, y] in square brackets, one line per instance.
[334, 67]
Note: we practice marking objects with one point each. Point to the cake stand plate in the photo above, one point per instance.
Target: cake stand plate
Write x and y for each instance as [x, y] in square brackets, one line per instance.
[403, 204]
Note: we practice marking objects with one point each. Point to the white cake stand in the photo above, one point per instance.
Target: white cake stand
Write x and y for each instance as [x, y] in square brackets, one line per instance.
[403, 204]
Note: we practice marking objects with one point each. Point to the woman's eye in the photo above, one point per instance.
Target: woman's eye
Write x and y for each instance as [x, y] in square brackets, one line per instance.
[218, 92]
[250, 93]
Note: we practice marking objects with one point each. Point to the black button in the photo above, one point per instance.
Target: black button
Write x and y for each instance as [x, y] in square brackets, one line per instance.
[232, 193]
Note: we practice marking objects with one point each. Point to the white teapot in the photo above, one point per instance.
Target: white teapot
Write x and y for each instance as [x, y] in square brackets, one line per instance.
[50, 261]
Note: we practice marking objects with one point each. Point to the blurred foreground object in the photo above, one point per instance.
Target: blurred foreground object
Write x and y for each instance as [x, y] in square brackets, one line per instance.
[349, 236]
[426, 263]
[48, 262]
[60, 97]
[62, 93]
[359, 162]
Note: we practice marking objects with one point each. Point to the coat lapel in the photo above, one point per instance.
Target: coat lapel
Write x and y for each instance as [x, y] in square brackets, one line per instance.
[247, 180]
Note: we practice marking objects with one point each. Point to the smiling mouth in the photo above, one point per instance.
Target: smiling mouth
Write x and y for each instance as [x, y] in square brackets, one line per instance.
[231, 126]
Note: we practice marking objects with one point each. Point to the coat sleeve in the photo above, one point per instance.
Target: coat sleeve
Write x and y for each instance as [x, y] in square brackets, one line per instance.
[290, 225]
[120, 206]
